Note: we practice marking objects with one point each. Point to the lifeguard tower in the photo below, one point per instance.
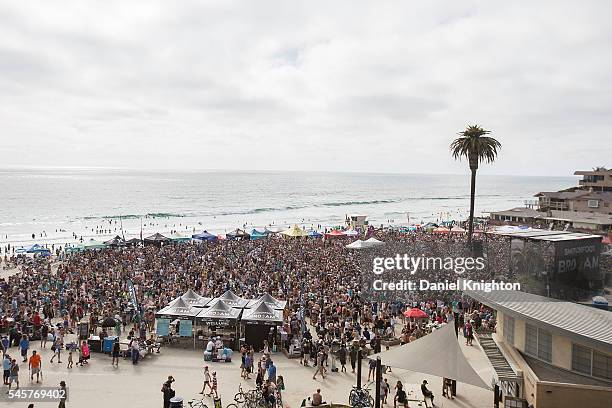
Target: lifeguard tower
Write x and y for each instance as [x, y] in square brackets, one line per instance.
[357, 222]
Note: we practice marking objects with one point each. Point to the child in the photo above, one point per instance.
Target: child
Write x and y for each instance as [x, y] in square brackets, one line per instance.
[70, 361]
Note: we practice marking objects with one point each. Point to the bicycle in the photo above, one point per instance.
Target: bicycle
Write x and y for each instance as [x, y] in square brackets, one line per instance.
[197, 403]
[360, 397]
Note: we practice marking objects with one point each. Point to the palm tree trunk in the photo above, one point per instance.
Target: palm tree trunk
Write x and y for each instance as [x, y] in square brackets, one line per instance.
[472, 199]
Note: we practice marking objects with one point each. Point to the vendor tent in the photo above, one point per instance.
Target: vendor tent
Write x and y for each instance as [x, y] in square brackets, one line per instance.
[314, 234]
[350, 233]
[178, 310]
[219, 310]
[176, 237]
[257, 235]
[374, 242]
[359, 244]
[233, 300]
[237, 234]
[193, 299]
[76, 248]
[269, 300]
[156, 238]
[441, 230]
[272, 230]
[93, 244]
[457, 228]
[334, 234]
[436, 354]
[260, 324]
[294, 231]
[37, 249]
[117, 241]
[133, 241]
[205, 236]
[110, 322]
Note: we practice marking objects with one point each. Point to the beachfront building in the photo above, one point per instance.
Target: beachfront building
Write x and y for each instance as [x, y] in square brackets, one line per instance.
[598, 179]
[599, 202]
[549, 353]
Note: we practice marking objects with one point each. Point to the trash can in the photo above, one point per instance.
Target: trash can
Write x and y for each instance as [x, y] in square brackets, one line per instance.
[176, 402]
[107, 346]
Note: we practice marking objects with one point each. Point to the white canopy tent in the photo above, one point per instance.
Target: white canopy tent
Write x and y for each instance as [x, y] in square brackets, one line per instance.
[359, 244]
[374, 242]
[436, 354]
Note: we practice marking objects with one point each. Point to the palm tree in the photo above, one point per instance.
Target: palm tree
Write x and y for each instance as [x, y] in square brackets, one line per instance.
[476, 146]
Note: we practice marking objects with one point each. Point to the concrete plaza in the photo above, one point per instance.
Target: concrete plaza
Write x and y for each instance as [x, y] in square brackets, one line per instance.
[99, 385]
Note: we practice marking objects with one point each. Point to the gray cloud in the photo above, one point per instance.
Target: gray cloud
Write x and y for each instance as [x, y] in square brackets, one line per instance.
[304, 85]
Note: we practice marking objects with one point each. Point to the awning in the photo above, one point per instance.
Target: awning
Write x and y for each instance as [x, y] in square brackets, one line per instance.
[179, 309]
[263, 314]
[294, 231]
[269, 300]
[219, 310]
[436, 354]
[233, 300]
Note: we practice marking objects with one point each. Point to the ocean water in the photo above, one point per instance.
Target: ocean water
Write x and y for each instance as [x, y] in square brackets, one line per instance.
[54, 204]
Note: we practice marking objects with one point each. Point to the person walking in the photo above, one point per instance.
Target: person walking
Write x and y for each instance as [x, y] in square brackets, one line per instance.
[272, 372]
[342, 353]
[115, 353]
[63, 394]
[13, 375]
[24, 345]
[58, 343]
[353, 358]
[320, 369]
[168, 391]
[207, 381]
[35, 366]
[215, 384]
[6, 367]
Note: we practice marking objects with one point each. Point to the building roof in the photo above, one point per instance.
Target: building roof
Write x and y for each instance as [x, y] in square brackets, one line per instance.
[580, 217]
[520, 212]
[586, 325]
[548, 235]
[547, 372]
[591, 172]
[562, 195]
[605, 196]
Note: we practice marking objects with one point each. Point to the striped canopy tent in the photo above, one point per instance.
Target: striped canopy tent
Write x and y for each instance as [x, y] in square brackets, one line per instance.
[294, 231]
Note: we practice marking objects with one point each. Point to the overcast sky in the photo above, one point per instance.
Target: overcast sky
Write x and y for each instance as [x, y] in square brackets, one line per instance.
[332, 85]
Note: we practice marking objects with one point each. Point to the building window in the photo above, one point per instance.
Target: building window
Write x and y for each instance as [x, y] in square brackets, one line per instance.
[538, 343]
[593, 203]
[602, 365]
[544, 345]
[509, 329]
[581, 359]
[531, 340]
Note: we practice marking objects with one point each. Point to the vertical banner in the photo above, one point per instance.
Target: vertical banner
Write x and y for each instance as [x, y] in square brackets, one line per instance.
[163, 327]
[185, 328]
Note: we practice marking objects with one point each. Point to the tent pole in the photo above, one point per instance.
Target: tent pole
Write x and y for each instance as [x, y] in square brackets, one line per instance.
[378, 381]
[359, 368]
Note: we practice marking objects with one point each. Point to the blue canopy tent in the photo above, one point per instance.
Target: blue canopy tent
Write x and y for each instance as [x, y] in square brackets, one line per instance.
[204, 236]
[257, 235]
[34, 249]
[314, 234]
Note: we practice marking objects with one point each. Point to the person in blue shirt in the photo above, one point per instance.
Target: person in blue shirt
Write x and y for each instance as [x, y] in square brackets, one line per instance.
[6, 367]
[272, 372]
[24, 345]
[5, 345]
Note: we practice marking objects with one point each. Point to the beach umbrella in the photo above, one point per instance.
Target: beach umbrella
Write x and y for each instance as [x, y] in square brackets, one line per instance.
[294, 231]
[109, 322]
[416, 313]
